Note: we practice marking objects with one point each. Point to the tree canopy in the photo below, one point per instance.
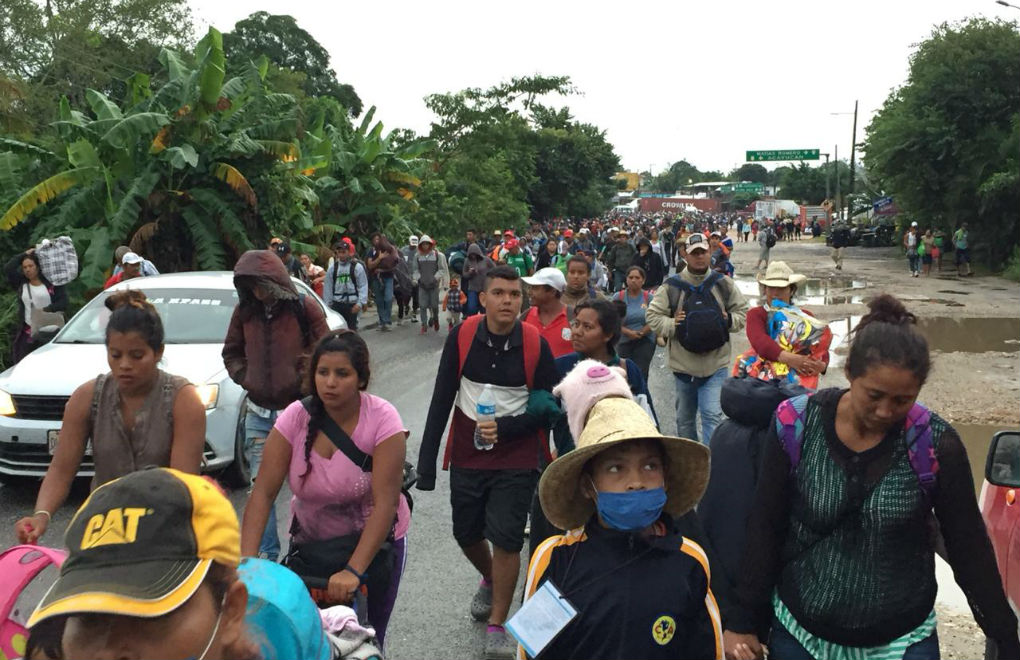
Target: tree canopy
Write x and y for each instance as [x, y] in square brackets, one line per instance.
[292, 49]
[946, 145]
[504, 156]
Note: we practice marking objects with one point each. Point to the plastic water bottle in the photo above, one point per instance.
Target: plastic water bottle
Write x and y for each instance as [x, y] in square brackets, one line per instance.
[485, 411]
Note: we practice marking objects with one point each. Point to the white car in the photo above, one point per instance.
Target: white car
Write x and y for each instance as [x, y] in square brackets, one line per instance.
[196, 310]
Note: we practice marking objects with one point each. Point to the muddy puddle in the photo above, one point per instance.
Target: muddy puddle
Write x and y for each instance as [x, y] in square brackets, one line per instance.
[814, 291]
[976, 438]
[949, 335]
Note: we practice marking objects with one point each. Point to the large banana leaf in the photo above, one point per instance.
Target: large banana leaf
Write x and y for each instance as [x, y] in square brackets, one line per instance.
[231, 176]
[207, 244]
[44, 192]
[288, 152]
[26, 148]
[131, 130]
[138, 88]
[182, 157]
[98, 254]
[285, 127]
[370, 151]
[416, 149]
[231, 227]
[82, 206]
[175, 67]
[123, 221]
[212, 67]
[10, 174]
[81, 153]
[103, 107]
[366, 120]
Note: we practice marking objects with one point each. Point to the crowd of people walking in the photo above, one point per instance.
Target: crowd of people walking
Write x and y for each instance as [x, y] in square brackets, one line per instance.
[776, 515]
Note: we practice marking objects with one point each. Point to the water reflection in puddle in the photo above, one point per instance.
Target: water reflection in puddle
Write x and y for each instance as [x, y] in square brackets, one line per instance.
[949, 335]
[814, 291]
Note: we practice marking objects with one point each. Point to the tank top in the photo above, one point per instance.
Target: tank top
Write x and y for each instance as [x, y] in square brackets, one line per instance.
[118, 451]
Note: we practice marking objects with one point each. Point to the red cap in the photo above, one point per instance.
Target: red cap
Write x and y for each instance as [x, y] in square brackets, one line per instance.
[568, 233]
[511, 244]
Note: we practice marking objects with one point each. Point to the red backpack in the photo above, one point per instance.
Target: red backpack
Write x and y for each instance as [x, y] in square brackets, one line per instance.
[532, 345]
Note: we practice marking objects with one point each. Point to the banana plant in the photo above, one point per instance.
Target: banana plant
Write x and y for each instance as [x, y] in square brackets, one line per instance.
[370, 181]
[178, 167]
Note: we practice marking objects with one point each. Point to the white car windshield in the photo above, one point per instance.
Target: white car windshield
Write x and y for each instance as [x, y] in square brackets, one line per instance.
[190, 316]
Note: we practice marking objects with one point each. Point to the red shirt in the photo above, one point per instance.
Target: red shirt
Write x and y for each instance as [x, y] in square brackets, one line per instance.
[114, 279]
[557, 333]
[756, 326]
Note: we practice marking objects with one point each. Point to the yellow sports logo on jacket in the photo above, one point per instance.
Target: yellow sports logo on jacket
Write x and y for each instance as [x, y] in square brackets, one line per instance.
[116, 526]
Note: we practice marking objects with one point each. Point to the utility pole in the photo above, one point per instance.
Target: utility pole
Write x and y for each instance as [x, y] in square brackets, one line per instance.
[839, 200]
[853, 151]
[826, 175]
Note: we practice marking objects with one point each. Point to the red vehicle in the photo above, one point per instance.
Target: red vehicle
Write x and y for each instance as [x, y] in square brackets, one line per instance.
[1001, 510]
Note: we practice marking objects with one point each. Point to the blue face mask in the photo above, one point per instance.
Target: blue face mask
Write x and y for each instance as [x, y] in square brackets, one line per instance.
[631, 510]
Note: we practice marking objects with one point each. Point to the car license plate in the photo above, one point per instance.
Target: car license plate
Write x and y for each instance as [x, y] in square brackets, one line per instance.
[53, 437]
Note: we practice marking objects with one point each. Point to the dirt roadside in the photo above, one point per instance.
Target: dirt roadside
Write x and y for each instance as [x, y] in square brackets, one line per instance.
[969, 385]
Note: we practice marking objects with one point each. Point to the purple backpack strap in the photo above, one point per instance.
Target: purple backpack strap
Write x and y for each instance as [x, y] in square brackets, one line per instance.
[790, 427]
[921, 450]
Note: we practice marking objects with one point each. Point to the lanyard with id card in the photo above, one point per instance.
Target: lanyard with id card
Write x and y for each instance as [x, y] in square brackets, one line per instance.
[541, 618]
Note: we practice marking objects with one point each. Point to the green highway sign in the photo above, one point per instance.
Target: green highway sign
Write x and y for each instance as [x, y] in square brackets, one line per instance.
[782, 154]
[744, 186]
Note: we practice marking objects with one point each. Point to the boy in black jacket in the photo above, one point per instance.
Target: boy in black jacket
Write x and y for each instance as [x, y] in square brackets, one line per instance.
[639, 587]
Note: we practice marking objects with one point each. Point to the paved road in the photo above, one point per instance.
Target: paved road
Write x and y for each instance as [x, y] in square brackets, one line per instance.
[431, 618]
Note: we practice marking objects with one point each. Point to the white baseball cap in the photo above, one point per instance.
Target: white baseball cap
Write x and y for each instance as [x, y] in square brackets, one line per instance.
[425, 238]
[131, 258]
[549, 277]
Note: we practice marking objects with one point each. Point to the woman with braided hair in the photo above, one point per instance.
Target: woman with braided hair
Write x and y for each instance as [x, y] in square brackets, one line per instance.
[135, 416]
[334, 497]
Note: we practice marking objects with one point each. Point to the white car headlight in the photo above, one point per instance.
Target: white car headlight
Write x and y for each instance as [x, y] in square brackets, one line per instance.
[208, 394]
[6, 404]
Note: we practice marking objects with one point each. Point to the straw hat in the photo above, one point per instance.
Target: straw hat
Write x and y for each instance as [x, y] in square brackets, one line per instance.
[779, 274]
[612, 421]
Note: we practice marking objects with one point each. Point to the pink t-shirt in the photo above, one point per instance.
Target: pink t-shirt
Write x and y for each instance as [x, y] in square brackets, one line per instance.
[335, 497]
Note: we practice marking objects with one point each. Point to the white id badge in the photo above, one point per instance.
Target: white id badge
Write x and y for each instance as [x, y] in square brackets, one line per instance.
[541, 618]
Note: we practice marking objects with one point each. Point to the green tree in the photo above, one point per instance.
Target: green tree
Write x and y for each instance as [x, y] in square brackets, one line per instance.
[806, 183]
[676, 176]
[945, 145]
[750, 172]
[290, 48]
[371, 183]
[503, 156]
[65, 47]
[171, 175]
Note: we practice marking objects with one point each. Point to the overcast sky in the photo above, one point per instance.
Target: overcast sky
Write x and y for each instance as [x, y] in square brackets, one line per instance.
[701, 81]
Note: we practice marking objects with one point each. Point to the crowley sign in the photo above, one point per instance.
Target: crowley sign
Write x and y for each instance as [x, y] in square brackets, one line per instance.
[677, 204]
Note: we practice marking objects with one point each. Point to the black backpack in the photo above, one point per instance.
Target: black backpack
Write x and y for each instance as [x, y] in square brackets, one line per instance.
[770, 238]
[705, 328]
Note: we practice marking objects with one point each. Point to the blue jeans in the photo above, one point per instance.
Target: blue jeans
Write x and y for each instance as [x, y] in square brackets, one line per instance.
[472, 306]
[785, 646]
[694, 394]
[915, 261]
[258, 427]
[382, 289]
